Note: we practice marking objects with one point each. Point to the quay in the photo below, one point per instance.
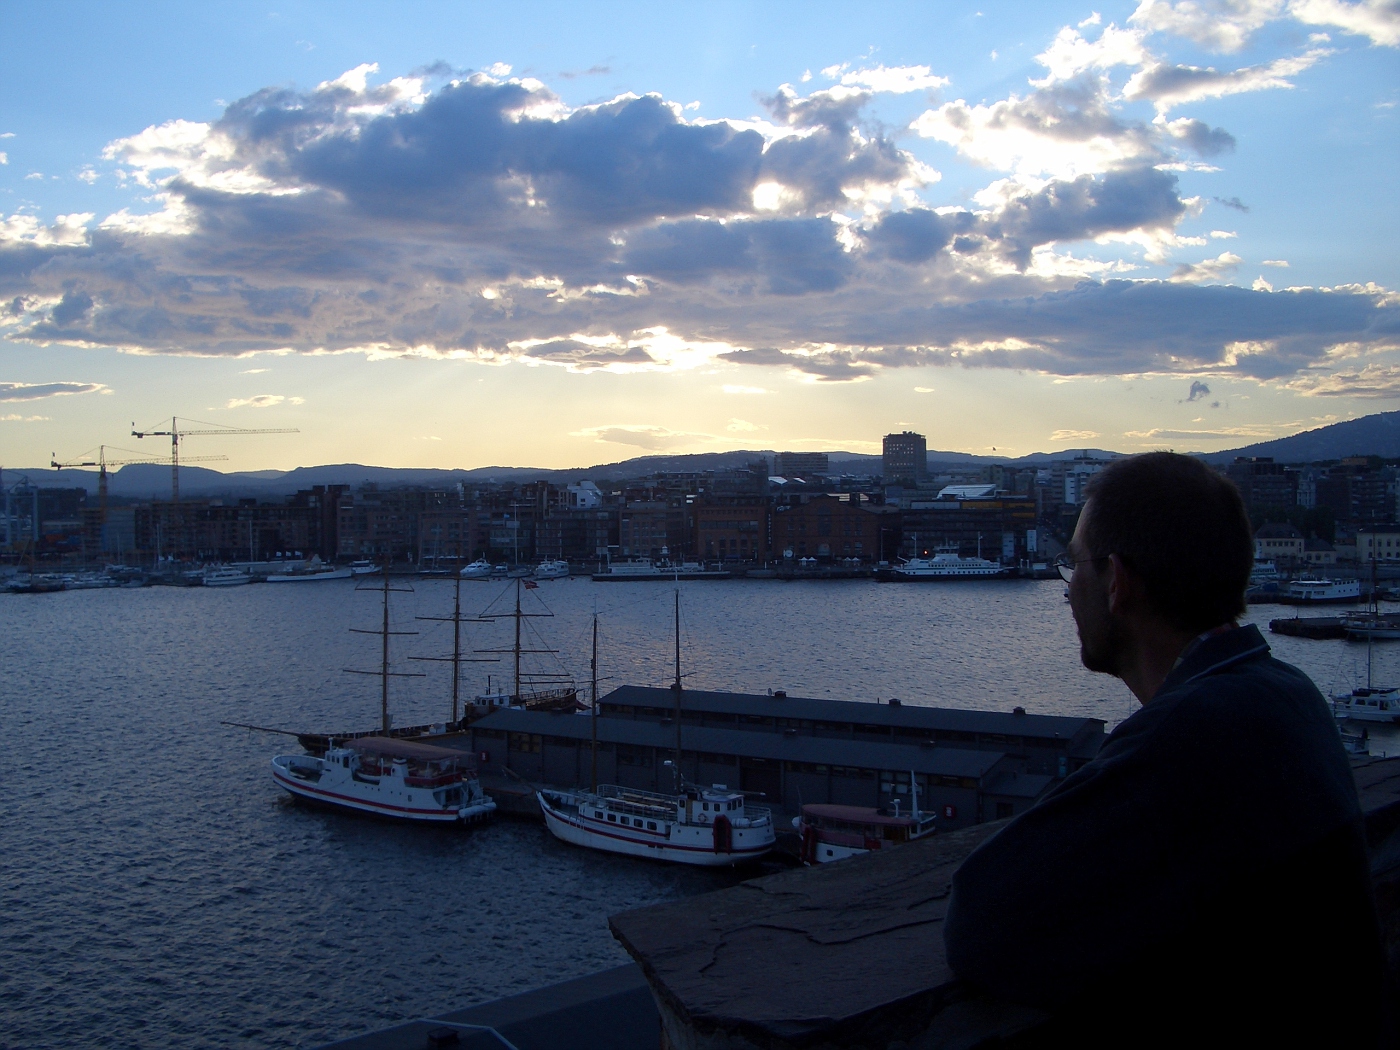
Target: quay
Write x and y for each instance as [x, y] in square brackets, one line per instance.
[970, 767]
[839, 956]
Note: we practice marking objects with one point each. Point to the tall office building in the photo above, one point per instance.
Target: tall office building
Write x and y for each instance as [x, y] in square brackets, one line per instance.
[905, 459]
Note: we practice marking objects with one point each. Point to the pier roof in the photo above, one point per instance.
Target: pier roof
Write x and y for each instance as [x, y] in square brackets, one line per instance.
[864, 713]
[859, 754]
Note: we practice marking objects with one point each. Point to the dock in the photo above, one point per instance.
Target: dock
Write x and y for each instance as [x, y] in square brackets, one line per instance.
[1310, 626]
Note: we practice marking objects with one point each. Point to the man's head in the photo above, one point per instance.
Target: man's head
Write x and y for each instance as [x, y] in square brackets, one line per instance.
[1176, 532]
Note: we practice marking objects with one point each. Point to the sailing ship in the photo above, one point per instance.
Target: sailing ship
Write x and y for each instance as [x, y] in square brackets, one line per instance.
[711, 827]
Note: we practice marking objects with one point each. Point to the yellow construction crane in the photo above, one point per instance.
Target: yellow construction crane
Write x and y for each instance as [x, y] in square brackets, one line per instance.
[102, 463]
[175, 434]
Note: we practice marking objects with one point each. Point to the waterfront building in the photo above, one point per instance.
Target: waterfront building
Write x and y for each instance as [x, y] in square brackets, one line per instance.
[970, 518]
[970, 766]
[905, 458]
[826, 527]
[1378, 545]
[1278, 542]
[1359, 493]
[734, 528]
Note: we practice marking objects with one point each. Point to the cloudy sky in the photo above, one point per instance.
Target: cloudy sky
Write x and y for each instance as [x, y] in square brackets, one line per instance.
[562, 234]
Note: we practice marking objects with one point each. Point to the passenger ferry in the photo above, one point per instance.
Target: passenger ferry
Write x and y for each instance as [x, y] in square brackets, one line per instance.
[946, 564]
[711, 827]
[1313, 590]
[831, 833]
[399, 779]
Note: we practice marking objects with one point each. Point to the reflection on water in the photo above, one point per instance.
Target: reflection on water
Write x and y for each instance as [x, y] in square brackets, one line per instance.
[158, 888]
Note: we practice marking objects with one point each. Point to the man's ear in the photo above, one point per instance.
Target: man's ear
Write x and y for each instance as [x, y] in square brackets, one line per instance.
[1121, 586]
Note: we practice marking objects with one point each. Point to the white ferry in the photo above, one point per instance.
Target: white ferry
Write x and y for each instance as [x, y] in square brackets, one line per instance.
[830, 833]
[399, 779]
[552, 569]
[1314, 590]
[365, 567]
[946, 564]
[711, 826]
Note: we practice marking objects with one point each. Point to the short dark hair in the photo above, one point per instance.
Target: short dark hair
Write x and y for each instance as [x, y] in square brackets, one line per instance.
[1182, 528]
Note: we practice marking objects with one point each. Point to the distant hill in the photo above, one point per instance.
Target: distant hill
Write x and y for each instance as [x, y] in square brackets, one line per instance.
[1376, 435]
[1373, 435]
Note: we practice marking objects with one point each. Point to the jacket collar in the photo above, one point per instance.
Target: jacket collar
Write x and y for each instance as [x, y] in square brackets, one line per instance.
[1214, 654]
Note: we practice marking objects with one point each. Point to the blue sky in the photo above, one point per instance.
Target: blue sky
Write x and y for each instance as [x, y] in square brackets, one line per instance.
[561, 234]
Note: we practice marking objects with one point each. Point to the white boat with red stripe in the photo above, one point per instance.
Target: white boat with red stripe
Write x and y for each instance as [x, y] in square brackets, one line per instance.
[711, 827]
[389, 777]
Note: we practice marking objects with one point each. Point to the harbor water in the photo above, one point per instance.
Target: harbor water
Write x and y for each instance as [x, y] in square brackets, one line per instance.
[157, 889]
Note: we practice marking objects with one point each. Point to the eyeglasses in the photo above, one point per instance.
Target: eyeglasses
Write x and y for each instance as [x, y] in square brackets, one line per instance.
[1065, 565]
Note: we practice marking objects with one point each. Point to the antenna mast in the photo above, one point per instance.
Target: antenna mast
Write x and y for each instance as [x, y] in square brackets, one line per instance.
[456, 659]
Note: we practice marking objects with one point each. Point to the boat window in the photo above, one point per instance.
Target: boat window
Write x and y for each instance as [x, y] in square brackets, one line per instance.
[651, 825]
[706, 806]
[612, 818]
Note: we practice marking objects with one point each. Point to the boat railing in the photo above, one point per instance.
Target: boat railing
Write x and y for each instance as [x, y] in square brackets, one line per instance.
[757, 814]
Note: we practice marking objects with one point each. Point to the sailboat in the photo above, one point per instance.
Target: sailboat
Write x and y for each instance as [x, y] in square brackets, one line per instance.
[710, 827]
[376, 773]
[533, 690]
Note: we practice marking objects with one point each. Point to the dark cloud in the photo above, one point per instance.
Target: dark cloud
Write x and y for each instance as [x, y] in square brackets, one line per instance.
[1087, 207]
[1232, 202]
[1198, 391]
[37, 391]
[491, 221]
[1204, 139]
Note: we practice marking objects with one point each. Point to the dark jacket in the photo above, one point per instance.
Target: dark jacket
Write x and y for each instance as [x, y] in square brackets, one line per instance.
[1205, 875]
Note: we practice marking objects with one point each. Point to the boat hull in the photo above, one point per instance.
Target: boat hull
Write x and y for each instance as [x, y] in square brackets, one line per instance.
[402, 810]
[311, 577]
[569, 827]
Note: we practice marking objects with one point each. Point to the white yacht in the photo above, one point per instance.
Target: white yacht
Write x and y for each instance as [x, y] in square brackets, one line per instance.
[225, 576]
[315, 569]
[552, 569]
[710, 826]
[365, 567]
[400, 779]
[1367, 704]
[477, 570]
[946, 564]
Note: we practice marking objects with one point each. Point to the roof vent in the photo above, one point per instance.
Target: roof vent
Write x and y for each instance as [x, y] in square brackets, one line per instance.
[1018, 710]
[894, 702]
[779, 694]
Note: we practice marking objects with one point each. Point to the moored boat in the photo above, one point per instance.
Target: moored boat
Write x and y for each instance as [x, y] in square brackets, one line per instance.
[552, 569]
[1315, 590]
[1367, 704]
[946, 564]
[364, 567]
[311, 575]
[830, 833]
[399, 779]
[225, 576]
[477, 570]
[711, 827]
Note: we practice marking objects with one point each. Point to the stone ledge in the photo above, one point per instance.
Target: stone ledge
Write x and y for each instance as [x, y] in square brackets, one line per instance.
[850, 955]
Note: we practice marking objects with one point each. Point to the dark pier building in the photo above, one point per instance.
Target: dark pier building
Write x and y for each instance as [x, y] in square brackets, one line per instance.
[970, 766]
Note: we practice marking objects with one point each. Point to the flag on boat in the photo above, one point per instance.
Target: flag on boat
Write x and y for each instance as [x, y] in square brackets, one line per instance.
[531, 585]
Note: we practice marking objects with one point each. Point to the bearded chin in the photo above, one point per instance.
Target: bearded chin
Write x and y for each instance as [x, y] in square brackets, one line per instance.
[1101, 655]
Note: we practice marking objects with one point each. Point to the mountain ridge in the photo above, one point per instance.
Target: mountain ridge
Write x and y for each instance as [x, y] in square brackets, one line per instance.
[1377, 434]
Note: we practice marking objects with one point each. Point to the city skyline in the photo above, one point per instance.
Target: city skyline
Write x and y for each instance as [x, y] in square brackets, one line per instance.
[568, 235]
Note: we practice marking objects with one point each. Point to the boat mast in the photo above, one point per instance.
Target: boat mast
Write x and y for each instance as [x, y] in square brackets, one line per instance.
[680, 777]
[594, 667]
[384, 664]
[517, 636]
[456, 645]
[384, 673]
